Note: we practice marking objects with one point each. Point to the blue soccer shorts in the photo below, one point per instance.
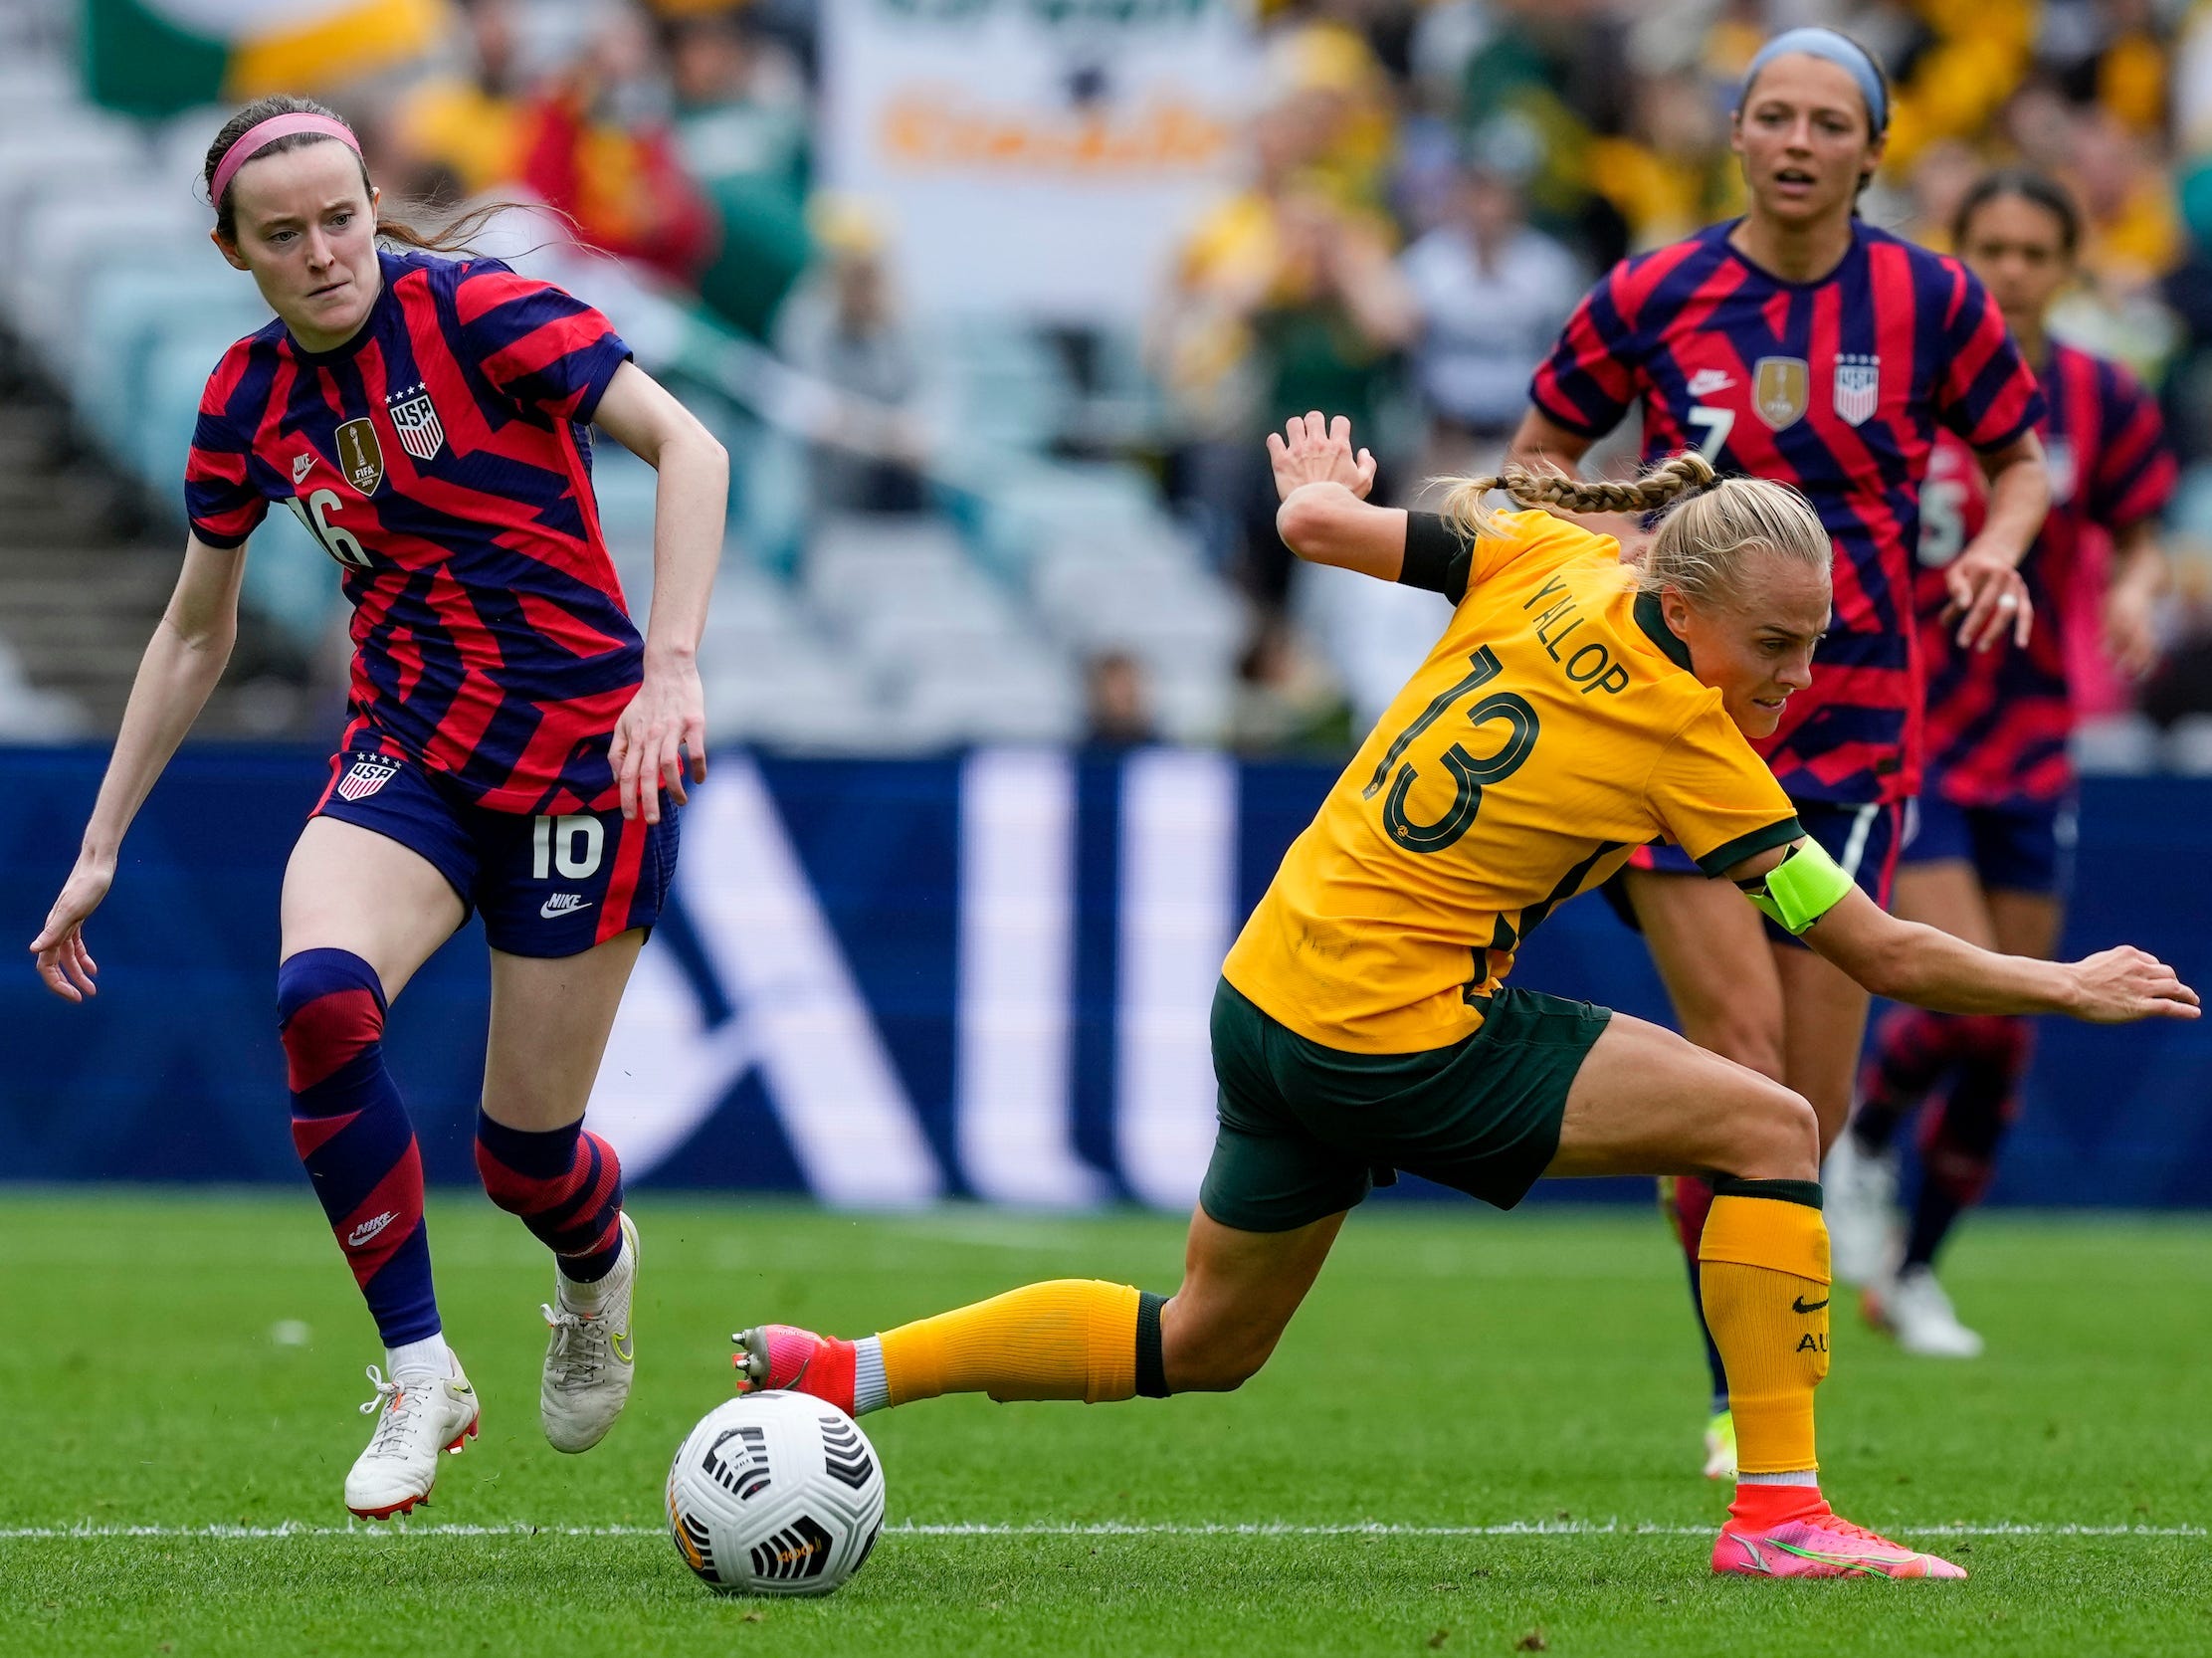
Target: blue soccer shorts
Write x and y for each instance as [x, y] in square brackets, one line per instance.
[547, 885]
[2026, 847]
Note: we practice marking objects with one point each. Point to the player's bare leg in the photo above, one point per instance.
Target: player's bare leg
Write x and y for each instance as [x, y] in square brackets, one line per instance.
[1069, 1339]
[1648, 1102]
[359, 914]
[1713, 956]
[550, 1019]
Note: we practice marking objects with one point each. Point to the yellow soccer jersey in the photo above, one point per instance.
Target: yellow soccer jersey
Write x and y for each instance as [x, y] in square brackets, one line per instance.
[1554, 727]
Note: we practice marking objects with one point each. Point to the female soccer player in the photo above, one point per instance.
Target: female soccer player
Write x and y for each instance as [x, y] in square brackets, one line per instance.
[514, 747]
[1799, 343]
[1575, 708]
[1996, 811]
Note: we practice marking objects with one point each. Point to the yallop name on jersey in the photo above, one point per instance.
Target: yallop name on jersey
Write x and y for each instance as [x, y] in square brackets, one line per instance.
[1589, 665]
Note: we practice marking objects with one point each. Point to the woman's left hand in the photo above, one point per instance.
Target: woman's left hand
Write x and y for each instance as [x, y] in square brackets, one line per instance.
[664, 718]
[1987, 597]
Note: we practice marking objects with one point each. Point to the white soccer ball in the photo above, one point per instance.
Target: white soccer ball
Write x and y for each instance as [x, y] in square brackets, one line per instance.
[775, 1494]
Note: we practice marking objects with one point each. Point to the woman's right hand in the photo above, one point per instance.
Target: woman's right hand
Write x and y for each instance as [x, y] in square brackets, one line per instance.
[1318, 450]
[64, 963]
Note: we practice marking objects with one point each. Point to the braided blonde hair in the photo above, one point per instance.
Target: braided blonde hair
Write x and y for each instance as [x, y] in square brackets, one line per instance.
[1701, 542]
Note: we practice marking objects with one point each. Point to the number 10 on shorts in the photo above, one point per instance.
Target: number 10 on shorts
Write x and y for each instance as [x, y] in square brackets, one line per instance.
[569, 846]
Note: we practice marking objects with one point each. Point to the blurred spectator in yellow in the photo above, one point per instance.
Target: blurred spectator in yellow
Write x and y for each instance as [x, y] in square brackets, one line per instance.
[461, 134]
[2110, 53]
[1491, 293]
[597, 145]
[1339, 91]
[741, 128]
[841, 328]
[1285, 300]
[1560, 69]
[1952, 63]
[1672, 173]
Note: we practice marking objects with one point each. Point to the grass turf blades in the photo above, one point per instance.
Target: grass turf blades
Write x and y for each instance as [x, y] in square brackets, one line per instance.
[1453, 1369]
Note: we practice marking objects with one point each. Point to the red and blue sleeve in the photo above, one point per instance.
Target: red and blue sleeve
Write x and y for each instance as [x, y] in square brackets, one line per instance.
[1984, 391]
[221, 501]
[545, 348]
[2134, 474]
[1588, 382]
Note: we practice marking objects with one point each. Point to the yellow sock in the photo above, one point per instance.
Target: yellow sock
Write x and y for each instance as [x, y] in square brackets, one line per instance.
[1765, 1277]
[1071, 1339]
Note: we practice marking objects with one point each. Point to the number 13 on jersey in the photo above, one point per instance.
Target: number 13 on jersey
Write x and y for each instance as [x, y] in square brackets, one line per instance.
[1469, 774]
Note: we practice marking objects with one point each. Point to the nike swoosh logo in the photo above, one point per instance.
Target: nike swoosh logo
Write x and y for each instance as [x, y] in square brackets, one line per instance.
[369, 1229]
[620, 1341]
[1801, 1305]
[549, 909]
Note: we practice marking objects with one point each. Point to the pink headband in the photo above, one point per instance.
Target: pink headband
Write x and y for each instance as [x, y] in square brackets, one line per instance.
[262, 134]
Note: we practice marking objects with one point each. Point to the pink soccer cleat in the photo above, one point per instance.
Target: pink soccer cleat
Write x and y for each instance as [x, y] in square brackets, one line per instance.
[782, 1356]
[1819, 1544]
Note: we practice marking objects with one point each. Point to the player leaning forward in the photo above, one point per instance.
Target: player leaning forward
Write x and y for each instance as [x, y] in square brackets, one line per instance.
[512, 745]
[1574, 709]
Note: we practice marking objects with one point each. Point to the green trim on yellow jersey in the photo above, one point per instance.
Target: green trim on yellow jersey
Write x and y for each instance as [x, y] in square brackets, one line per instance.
[1722, 859]
[1653, 620]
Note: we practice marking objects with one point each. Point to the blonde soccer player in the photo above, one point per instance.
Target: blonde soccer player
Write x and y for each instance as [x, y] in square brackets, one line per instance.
[1575, 708]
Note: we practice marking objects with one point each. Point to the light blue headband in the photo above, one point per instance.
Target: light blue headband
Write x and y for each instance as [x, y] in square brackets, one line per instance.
[1841, 51]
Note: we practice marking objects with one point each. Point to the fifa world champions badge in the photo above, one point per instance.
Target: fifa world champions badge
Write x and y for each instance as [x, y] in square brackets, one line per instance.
[1858, 388]
[1781, 390]
[415, 419]
[360, 455]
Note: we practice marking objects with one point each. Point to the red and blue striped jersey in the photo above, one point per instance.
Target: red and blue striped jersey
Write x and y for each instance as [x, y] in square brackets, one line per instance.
[1999, 720]
[441, 457]
[1837, 386]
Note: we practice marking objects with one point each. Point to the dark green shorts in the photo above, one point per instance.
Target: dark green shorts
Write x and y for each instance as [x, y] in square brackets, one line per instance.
[1308, 1130]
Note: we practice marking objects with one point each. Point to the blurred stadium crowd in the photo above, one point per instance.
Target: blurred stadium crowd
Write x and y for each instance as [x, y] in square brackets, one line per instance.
[958, 525]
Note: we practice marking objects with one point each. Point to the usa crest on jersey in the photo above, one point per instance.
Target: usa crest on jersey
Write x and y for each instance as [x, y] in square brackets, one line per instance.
[415, 419]
[1858, 388]
[364, 778]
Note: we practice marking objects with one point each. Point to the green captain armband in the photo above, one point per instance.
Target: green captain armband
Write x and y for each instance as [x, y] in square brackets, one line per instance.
[1801, 888]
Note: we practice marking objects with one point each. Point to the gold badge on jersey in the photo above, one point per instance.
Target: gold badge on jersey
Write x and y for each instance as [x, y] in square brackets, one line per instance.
[360, 456]
[1781, 390]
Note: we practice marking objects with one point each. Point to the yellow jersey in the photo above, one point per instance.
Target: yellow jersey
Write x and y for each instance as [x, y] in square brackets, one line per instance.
[1554, 727]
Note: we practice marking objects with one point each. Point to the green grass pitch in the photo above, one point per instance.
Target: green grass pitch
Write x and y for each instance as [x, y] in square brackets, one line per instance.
[1453, 1369]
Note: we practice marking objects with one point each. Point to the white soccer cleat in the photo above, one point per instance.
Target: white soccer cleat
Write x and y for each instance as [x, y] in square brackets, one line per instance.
[1918, 1314]
[1859, 1194]
[414, 1422]
[587, 1361]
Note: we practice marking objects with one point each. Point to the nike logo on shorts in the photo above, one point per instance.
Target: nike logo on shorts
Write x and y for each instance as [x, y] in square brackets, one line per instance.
[562, 904]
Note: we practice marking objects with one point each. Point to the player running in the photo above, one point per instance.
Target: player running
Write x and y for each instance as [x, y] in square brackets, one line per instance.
[1575, 708]
[1996, 812]
[514, 747]
[1800, 344]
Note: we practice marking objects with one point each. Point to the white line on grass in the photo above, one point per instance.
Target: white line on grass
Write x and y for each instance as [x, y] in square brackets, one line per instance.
[1071, 1528]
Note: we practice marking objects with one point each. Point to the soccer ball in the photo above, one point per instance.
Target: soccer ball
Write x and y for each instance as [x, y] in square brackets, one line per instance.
[775, 1494]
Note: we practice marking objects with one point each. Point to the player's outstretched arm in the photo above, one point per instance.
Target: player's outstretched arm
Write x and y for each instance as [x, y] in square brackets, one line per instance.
[668, 717]
[179, 671]
[1801, 888]
[1324, 518]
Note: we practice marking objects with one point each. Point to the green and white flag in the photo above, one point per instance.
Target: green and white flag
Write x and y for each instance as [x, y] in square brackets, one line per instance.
[154, 58]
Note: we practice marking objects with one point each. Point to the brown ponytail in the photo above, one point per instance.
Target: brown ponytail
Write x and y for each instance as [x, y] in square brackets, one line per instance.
[403, 221]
